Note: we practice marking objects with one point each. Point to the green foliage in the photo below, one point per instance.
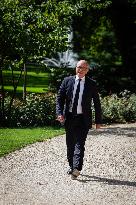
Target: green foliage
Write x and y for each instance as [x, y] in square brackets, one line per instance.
[119, 108]
[129, 113]
[112, 109]
[100, 46]
[132, 2]
[96, 4]
[37, 110]
[103, 48]
[56, 77]
[30, 29]
[105, 41]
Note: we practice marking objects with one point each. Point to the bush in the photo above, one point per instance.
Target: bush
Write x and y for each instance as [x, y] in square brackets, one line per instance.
[129, 113]
[119, 108]
[38, 110]
[112, 109]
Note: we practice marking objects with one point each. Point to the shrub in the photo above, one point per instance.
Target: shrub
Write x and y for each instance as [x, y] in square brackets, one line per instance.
[129, 113]
[119, 108]
[37, 110]
[112, 109]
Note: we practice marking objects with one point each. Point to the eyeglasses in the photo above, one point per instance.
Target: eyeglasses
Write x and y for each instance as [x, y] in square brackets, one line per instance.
[81, 68]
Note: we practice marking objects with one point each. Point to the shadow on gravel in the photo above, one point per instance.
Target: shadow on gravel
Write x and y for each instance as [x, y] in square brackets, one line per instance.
[128, 132]
[106, 180]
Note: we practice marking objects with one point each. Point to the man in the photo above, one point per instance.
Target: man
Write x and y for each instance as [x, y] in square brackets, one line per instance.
[73, 108]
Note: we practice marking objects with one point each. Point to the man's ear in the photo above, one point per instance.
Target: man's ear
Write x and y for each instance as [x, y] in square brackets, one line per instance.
[87, 70]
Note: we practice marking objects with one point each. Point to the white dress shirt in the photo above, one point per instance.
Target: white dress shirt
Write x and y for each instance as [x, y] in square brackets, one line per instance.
[79, 106]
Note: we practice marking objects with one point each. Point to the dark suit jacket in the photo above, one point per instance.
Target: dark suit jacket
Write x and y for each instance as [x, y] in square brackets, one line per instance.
[65, 94]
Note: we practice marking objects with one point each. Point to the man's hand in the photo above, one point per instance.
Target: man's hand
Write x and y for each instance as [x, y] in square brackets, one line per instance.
[60, 118]
[98, 126]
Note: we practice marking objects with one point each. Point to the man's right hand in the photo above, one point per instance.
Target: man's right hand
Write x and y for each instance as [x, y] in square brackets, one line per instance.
[60, 118]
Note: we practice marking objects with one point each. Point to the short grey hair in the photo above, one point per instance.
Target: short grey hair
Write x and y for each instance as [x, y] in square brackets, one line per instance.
[84, 62]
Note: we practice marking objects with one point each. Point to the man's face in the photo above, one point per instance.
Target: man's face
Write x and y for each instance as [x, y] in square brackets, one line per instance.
[81, 69]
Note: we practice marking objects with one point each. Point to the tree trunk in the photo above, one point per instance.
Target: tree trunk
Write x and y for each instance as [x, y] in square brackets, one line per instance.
[24, 86]
[2, 96]
[15, 84]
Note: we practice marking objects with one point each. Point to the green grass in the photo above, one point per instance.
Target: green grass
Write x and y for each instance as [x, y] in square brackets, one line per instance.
[36, 82]
[28, 89]
[14, 139]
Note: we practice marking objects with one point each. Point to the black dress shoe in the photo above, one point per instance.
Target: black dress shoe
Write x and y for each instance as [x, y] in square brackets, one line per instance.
[69, 171]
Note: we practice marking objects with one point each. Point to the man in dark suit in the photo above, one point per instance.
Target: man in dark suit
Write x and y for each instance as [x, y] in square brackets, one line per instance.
[73, 108]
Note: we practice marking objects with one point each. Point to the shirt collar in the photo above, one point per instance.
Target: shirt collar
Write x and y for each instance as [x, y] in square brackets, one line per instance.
[77, 78]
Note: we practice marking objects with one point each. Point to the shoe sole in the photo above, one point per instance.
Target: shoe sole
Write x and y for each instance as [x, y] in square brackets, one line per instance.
[75, 174]
[73, 177]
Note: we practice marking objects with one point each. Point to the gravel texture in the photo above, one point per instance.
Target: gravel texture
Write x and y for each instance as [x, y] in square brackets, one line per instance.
[36, 174]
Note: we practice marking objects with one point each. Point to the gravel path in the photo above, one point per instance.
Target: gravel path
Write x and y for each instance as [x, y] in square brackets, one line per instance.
[36, 175]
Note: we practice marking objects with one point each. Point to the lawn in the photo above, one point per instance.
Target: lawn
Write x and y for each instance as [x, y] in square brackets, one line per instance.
[37, 82]
[14, 139]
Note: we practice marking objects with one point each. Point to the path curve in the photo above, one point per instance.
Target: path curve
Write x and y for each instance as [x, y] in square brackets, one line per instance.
[36, 174]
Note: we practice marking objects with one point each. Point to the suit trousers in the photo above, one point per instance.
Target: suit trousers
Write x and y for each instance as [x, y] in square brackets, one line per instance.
[76, 134]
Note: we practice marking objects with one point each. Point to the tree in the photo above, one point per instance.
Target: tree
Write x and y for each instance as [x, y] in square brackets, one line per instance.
[123, 19]
[107, 39]
[32, 29]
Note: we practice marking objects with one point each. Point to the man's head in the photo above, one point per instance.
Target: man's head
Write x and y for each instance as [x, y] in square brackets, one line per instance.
[82, 68]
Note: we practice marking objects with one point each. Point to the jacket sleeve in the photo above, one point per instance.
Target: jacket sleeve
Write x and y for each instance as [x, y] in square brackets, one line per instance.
[97, 106]
[60, 100]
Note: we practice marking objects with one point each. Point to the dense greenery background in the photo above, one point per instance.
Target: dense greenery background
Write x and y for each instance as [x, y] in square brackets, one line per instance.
[103, 33]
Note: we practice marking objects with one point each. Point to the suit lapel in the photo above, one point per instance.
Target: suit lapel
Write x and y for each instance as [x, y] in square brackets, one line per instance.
[72, 82]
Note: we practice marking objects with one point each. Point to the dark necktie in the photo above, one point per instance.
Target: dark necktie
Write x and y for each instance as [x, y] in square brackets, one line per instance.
[75, 103]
